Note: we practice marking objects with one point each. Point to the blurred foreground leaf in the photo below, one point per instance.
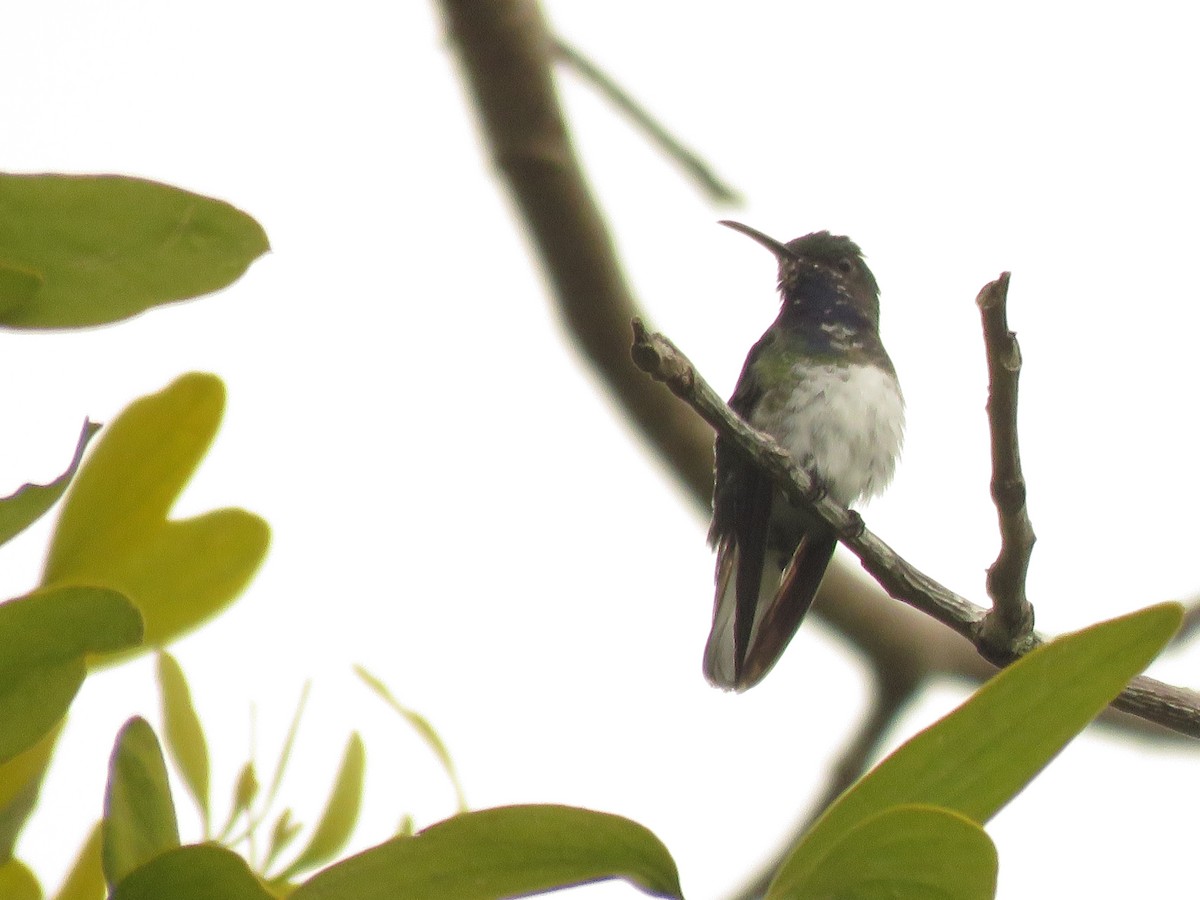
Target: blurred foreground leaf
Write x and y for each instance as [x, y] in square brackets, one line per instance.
[30, 501]
[20, 781]
[17, 882]
[183, 733]
[44, 639]
[139, 816]
[86, 881]
[198, 872]
[79, 250]
[504, 852]
[114, 529]
[980, 756]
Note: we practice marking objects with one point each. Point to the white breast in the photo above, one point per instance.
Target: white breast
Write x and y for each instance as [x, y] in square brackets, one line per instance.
[846, 423]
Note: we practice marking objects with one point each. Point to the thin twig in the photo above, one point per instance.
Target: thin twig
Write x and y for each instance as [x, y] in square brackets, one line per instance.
[1009, 623]
[1173, 707]
[691, 163]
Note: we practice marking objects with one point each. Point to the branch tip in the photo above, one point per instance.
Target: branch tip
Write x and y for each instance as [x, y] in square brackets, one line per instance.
[994, 293]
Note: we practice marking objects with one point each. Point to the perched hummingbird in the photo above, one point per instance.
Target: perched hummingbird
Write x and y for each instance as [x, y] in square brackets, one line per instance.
[820, 383]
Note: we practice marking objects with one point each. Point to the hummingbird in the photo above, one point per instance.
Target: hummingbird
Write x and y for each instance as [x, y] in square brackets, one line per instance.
[819, 382]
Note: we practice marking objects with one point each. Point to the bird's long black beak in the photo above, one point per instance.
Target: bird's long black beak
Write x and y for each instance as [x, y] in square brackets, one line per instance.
[779, 249]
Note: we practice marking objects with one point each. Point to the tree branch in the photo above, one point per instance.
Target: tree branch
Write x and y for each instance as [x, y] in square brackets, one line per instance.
[1009, 624]
[1172, 707]
[507, 58]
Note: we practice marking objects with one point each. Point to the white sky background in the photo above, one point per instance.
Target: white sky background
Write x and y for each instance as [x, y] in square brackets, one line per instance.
[454, 504]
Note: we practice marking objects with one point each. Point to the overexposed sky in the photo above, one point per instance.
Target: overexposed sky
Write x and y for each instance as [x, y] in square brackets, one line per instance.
[455, 506]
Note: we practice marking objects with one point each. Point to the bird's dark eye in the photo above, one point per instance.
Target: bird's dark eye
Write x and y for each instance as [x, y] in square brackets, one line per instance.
[845, 265]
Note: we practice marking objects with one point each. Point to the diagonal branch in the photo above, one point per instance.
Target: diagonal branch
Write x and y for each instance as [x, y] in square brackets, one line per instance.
[1009, 624]
[1173, 707]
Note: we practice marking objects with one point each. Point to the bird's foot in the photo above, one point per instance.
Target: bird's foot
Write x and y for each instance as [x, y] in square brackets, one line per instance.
[857, 526]
[817, 490]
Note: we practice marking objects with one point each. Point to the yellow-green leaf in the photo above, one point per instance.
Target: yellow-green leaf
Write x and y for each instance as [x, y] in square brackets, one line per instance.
[114, 529]
[910, 852]
[86, 878]
[197, 872]
[422, 727]
[20, 781]
[44, 638]
[183, 733]
[17, 882]
[505, 852]
[18, 288]
[30, 501]
[79, 250]
[139, 815]
[341, 813]
[980, 756]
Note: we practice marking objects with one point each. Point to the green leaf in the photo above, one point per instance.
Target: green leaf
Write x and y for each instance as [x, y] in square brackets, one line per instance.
[79, 250]
[504, 852]
[910, 852]
[139, 816]
[20, 781]
[183, 733]
[44, 638]
[18, 288]
[341, 813]
[981, 755]
[17, 882]
[30, 502]
[86, 878]
[114, 530]
[422, 727]
[198, 872]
